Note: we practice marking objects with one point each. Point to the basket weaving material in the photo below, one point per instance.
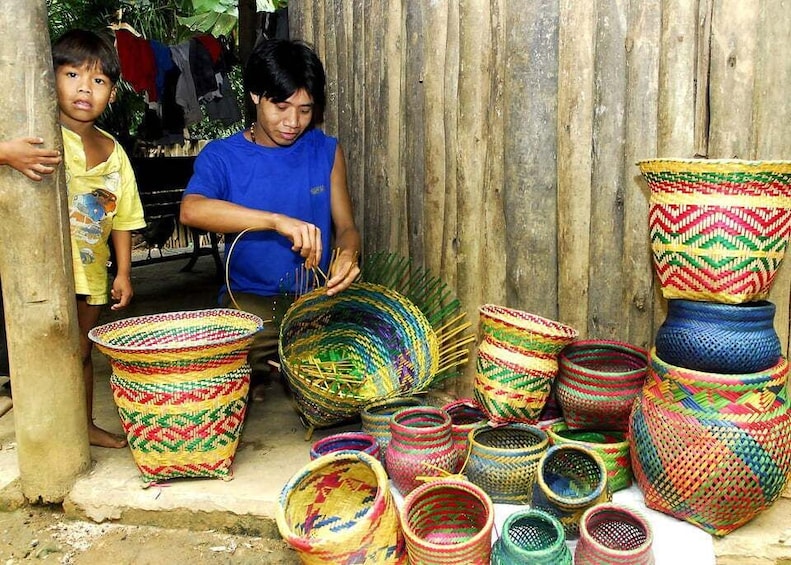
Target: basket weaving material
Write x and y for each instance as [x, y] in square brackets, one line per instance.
[569, 480]
[345, 441]
[339, 509]
[719, 338]
[598, 382]
[531, 536]
[465, 414]
[612, 447]
[517, 362]
[719, 228]
[503, 460]
[614, 535]
[448, 522]
[180, 382]
[698, 435]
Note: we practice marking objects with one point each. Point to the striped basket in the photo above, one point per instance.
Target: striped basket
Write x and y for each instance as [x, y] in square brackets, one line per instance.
[531, 536]
[517, 363]
[180, 382]
[719, 228]
[611, 534]
[339, 509]
[345, 441]
[465, 414]
[598, 382]
[448, 522]
[375, 418]
[698, 435]
[612, 447]
[503, 460]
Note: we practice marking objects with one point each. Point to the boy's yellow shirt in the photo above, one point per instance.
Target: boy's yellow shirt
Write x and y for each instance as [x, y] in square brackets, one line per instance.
[101, 199]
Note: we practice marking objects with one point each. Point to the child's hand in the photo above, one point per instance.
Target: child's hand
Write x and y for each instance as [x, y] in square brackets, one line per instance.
[25, 156]
[121, 292]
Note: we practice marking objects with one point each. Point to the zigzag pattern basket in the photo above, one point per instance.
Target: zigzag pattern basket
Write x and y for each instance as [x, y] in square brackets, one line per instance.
[711, 449]
[180, 382]
[719, 228]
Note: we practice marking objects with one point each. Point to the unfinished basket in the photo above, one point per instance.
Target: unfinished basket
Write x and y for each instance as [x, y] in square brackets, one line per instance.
[180, 382]
[719, 228]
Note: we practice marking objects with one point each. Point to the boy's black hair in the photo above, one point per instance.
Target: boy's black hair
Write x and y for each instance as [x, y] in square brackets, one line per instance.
[77, 47]
[277, 68]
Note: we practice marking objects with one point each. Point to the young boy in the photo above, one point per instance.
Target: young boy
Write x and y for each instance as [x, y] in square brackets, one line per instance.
[102, 192]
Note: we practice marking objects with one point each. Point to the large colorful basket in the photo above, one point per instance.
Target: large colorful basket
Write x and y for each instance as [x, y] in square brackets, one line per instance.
[712, 449]
[338, 509]
[719, 228]
[180, 382]
[448, 522]
[611, 534]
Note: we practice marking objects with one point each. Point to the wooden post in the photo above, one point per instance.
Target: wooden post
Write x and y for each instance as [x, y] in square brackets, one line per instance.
[36, 270]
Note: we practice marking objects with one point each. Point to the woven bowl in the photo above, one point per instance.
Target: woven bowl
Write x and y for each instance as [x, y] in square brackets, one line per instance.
[615, 535]
[719, 229]
[531, 536]
[345, 441]
[175, 376]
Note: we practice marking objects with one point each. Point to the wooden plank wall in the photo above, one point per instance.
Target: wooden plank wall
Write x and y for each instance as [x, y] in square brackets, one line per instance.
[495, 141]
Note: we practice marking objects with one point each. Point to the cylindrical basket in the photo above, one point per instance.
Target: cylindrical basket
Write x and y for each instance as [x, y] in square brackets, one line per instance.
[345, 441]
[503, 460]
[465, 414]
[598, 382]
[698, 435]
[611, 534]
[719, 228]
[180, 382]
[719, 338]
[531, 536]
[448, 522]
[569, 480]
[375, 418]
[612, 447]
[339, 509]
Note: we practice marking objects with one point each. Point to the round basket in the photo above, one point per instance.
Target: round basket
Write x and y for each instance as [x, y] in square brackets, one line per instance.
[614, 535]
[376, 416]
[503, 460]
[339, 509]
[719, 228]
[465, 414]
[569, 480]
[448, 521]
[180, 382]
[612, 447]
[735, 427]
[531, 536]
[345, 441]
[598, 382]
[719, 338]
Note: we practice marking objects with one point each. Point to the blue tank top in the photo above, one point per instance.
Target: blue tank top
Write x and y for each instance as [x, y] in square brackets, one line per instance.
[293, 180]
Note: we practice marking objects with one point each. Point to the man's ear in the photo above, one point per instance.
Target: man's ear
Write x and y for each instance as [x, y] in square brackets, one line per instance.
[255, 98]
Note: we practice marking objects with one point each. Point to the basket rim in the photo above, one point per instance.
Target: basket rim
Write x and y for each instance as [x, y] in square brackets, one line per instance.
[528, 513]
[738, 164]
[620, 509]
[553, 431]
[96, 334]
[601, 487]
[677, 372]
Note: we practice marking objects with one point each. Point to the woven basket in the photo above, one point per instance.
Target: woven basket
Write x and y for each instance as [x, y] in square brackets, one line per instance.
[339, 509]
[614, 535]
[598, 382]
[612, 447]
[719, 338]
[719, 228]
[531, 536]
[375, 418]
[503, 460]
[465, 414]
[180, 382]
[698, 435]
[448, 522]
[569, 480]
[345, 441]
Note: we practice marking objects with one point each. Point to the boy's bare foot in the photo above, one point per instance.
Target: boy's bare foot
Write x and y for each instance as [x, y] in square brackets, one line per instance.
[103, 438]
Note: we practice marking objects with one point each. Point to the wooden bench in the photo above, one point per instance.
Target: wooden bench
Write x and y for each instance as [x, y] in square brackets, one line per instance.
[161, 182]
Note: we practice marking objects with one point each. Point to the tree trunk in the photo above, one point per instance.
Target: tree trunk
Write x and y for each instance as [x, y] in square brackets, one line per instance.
[35, 263]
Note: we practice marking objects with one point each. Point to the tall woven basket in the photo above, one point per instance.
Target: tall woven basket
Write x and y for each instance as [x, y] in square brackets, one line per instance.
[712, 449]
[339, 509]
[180, 382]
[719, 228]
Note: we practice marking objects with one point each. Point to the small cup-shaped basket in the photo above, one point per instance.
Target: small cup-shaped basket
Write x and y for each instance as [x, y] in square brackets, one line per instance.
[345, 441]
[614, 535]
[569, 480]
[503, 460]
[339, 509]
[375, 418]
[465, 414]
[531, 536]
[448, 521]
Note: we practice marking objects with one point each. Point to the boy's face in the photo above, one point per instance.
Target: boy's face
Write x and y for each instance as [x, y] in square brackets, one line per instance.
[279, 124]
[83, 93]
